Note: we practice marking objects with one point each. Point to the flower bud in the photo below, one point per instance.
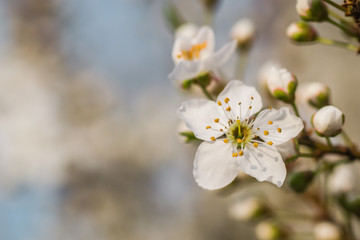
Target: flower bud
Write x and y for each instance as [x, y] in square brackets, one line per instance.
[282, 84]
[344, 179]
[269, 231]
[299, 181]
[243, 32]
[247, 209]
[187, 30]
[327, 231]
[312, 10]
[328, 121]
[301, 32]
[315, 93]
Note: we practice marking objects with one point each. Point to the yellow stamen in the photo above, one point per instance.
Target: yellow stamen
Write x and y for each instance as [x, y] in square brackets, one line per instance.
[270, 122]
[270, 108]
[252, 98]
[250, 107]
[219, 103]
[226, 100]
[228, 109]
[255, 144]
[241, 153]
[266, 132]
[207, 127]
[279, 130]
[235, 154]
[270, 143]
[216, 120]
[239, 140]
[239, 103]
[226, 140]
[213, 138]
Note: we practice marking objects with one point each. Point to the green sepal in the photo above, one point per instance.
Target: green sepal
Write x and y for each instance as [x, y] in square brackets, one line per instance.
[317, 12]
[190, 136]
[299, 181]
[291, 89]
[281, 95]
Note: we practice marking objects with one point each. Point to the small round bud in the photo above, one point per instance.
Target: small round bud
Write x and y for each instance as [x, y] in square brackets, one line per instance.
[316, 94]
[247, 209]
[243, 32]
[187, 30]
[269, 231]
[327, 231]
[282, 84]
[344, 179]
[301, 32]
[328, 121]
[312, 10]
[299, 181]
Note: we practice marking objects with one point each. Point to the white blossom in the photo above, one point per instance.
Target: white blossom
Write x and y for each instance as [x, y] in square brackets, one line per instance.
[328, 121]
[234, 140]
[280, 79]
[195, 56]
[327, 231]
[243, 31]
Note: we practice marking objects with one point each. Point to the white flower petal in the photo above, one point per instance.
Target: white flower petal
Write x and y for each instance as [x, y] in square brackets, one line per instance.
[214, 165]
[284, 127]
[200, 113]
[237, 92]
[219, 58]
[180, 44]
[205, 34]
[264, 163]
[186, 70]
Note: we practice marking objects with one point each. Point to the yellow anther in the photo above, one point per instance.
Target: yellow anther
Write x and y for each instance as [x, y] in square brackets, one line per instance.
[238, 140]
[226, 140]
[266, 132]
[270, 143]
[279, 130]
[246, 119]
[235, 154]
[228, 109]
[226, 100]
[258, 128]
[239, 103]
[270, 122]
[219, 103]
[241, 153]
[250, 107]
[255, 144]
[213, 138]
[221, 130]
[207, 127]
[270, 108]
[216, 120]
[252, 98]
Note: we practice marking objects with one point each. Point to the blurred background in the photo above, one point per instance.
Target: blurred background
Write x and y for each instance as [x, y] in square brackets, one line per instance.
[88, 132]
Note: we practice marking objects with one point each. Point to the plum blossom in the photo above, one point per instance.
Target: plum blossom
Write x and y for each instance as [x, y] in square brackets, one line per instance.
[195, 56]
[234, 139]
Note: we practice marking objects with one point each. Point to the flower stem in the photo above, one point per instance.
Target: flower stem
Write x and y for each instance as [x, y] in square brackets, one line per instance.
[348, 141]
[341, 27]
[331, 42]
[329, 142]
[206, 92]
[335, 5]
[295, 109]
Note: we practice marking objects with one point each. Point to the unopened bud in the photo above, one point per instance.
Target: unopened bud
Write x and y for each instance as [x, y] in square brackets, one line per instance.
[301, 32]
[316, 94]
[312, 10]
[247, 209]
[327, 231]
[344, 179]
[282, 84]
[328, 121]
[269, 231]
[299, 181]
[243, 32]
